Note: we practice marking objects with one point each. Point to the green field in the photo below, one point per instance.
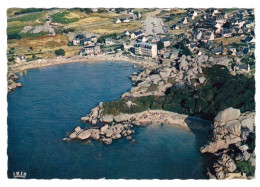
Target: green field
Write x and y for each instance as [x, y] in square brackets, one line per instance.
[29, 17]
[61, 18]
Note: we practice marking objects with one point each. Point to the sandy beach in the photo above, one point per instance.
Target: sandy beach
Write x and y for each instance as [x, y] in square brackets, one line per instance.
[22, 66]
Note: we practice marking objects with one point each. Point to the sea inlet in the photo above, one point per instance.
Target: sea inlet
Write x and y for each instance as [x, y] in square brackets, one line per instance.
[51, 102]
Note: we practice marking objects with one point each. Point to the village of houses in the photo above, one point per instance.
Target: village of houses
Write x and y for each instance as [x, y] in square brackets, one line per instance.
[206, 32]
[164, 37]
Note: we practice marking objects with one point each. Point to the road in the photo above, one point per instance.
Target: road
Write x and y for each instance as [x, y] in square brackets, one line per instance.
[153, 25]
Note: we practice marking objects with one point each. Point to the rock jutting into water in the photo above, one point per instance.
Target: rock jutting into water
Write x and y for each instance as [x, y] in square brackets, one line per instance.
[106, 133]
[115, 127]
[230, 128]
[142, 118]
[12, 82]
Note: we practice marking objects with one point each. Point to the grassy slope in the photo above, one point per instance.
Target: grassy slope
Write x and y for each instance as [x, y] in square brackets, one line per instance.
[43, 46]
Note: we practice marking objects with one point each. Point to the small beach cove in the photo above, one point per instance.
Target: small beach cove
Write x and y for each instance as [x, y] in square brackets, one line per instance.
[51, 103]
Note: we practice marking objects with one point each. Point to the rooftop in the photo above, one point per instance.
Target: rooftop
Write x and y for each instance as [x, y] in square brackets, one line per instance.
[145, 43]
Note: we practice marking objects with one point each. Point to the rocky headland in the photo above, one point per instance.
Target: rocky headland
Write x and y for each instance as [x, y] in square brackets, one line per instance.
[13, 84]
[228, 144]
[115, 127]
[228, 140]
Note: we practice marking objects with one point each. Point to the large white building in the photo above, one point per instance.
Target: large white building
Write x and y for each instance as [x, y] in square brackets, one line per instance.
[146, 49]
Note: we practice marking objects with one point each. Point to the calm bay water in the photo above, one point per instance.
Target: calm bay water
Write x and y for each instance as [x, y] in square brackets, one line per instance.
[51, 103]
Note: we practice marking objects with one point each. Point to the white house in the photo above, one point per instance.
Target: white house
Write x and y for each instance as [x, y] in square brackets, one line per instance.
[118, 21]
[109, 41]
[184, 20]
[87, 41]
[20, 58]
[126, 33]
[166, 42]
[126, 20]
[76, 41]
[135, 35]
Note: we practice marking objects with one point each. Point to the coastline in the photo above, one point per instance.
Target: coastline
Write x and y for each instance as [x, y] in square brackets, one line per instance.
[147, 117]
[13, 79]
[22, 66]
[122, 125]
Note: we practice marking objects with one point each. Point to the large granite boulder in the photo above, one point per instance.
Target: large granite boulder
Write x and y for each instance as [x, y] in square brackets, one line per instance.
[107, 141]
[235, 128]
[95, 136]
[109, 133]
[104, 128]
[77, 129]
[248, 123]
[202, 79]
[84, 135]
[183, 65]
[107, 119]
[73, 135]
[121, 118]
[84, 119]
[227, 115]
[155, 78]
[165, 73]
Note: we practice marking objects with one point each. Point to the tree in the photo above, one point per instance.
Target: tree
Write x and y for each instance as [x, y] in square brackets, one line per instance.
[68, 30]
[59, 52]
[101, 39]
[245, 167]
[12, 36]
[11, 59]
[118, 10]
[160, 45]
[80, 36]
[88, 10]
[102, 10]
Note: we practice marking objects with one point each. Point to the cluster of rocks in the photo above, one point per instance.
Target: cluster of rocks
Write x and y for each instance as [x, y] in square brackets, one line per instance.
[46, 27]
[106, 133]
[139, 119]
[118, 126]
[163, 76]
[97, 116]
[230, 128]
[224, 61]
[12, 82]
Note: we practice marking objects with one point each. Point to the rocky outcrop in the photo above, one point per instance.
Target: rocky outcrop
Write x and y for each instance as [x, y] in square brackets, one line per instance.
[140, 119]
[95, 115]
[84, 135]
[154, 80]
[228, 130]
[107, 119]
[106, 133]
[227, 115]
[12, 82]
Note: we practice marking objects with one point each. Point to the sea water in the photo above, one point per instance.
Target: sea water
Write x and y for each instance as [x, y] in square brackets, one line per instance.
[50, 104]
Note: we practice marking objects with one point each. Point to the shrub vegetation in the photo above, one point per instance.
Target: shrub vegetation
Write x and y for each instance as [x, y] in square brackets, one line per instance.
[221, 90]
[59, 52]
